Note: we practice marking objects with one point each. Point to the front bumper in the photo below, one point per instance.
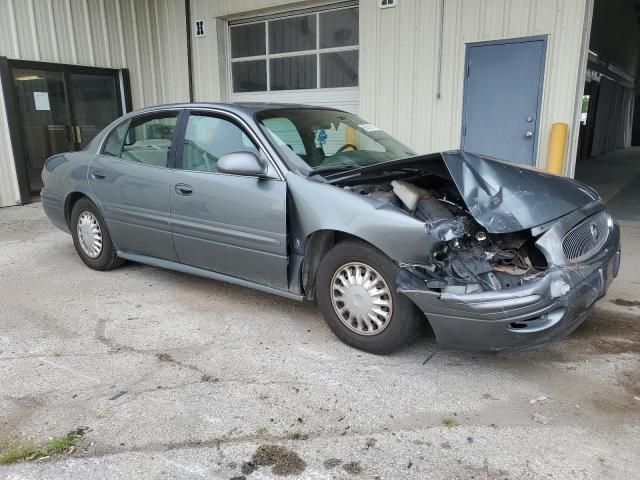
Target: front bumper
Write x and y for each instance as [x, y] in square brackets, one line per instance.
[532, 315]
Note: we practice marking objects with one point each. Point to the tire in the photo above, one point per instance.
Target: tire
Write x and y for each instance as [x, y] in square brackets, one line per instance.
[106, 258]
[402, 320]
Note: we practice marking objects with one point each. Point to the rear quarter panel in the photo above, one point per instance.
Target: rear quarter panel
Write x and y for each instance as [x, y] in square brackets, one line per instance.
[64, 175]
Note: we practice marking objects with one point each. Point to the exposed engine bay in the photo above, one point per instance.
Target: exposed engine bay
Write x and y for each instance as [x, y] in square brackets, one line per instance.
[467, 258]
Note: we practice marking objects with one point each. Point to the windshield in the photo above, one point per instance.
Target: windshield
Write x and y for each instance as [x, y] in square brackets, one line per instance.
[319, 140]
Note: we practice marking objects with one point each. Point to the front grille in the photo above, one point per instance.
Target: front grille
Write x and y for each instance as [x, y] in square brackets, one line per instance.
[587, 238]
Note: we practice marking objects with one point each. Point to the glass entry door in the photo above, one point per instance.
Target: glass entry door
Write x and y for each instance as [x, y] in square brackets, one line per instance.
[94, 103]
[61, 110]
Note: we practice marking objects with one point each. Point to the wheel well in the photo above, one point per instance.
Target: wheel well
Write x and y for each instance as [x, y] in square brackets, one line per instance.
[70, 201]
[316, 246]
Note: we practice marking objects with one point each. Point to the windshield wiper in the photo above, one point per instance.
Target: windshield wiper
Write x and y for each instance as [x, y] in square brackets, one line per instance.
[334, 168]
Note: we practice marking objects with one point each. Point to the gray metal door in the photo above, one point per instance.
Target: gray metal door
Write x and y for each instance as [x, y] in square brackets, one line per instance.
[502, 94]
[228, 224]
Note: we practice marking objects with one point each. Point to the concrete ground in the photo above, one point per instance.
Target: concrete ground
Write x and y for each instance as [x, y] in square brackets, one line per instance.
[175, 376]
[616, 176]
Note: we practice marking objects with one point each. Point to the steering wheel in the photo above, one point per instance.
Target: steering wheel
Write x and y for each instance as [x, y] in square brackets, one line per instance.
[344, 147]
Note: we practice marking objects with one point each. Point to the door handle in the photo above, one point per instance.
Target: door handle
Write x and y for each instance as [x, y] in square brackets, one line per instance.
[528, 134]
[98, 175]
[183, 189]
[78, 133]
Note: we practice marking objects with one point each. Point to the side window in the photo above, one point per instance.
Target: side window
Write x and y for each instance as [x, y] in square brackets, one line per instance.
[207, 138]
[286, 133]
[148, 140]
[115, 140]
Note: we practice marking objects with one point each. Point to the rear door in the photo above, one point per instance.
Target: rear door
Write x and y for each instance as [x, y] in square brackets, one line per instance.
[230, 224]
[131, 180]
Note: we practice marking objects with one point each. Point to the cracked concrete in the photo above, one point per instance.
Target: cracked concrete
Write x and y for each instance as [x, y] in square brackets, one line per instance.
[211, 372]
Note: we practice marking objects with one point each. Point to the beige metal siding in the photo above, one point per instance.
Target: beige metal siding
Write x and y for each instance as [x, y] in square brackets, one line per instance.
[9, 193]
[210, 71]
[146, 36]
[399, 51]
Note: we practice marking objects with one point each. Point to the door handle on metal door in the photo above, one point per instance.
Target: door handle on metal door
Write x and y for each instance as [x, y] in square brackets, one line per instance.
[183, 189]
[98, 175]
[528, 134]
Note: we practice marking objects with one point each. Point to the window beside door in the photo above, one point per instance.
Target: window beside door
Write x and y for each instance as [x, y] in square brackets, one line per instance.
[315, 50]
[145, 140]
[208, 138]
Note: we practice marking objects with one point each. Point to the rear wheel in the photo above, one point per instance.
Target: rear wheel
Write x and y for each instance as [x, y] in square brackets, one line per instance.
[356, 293]
[91, 237]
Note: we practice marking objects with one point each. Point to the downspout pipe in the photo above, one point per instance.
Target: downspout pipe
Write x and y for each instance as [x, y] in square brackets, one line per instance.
[440, 41]
[187, 14]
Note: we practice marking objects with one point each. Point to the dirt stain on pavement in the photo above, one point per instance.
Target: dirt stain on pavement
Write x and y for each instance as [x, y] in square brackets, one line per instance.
[283, 462]
[330, 463]
[626, 303]
[607, 333]
[630, 381]
[164, 357]
[487, 473]
[353, 468]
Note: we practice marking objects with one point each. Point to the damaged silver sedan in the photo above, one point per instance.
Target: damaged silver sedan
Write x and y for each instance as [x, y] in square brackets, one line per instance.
[317, 204]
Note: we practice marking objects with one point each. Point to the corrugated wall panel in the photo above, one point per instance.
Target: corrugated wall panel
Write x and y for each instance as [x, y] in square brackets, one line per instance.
[9, 193]
[143, 35]
[209, 77]
[46, 32]
[115, 34]
[28, 41]
[146, 36]
[401, 95]
[82, 34]
[64, 28]
[99, 37]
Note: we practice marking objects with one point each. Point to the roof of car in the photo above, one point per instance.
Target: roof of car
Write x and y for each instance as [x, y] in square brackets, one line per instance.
[245, 107]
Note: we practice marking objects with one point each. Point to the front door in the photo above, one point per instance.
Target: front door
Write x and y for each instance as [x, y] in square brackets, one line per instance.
[60, 108]
[234, 225]
[502, 95]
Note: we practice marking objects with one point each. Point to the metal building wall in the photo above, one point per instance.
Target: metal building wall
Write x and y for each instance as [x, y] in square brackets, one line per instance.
[210, 75]
[9, 193]
[399, 51]
[146, 36]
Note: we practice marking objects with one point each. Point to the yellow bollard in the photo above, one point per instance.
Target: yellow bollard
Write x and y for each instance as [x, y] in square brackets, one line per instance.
[350, 136]
[557, 144]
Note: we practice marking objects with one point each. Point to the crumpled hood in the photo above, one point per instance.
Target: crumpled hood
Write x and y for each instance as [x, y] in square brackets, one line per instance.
[505, 197]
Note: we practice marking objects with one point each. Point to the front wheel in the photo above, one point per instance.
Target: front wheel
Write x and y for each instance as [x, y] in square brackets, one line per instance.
[356, 293]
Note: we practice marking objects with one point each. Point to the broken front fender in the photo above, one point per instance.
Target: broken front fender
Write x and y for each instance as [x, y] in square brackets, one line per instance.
[545, 309]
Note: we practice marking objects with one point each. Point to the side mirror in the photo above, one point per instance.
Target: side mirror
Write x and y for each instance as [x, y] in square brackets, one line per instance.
[242, 163]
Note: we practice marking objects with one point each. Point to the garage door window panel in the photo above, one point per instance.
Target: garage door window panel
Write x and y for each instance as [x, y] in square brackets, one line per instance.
[249, 76]
[248, 40]
[339, 28]
[339, 69]
[300, 52]
[292, 34]
[291, 73]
